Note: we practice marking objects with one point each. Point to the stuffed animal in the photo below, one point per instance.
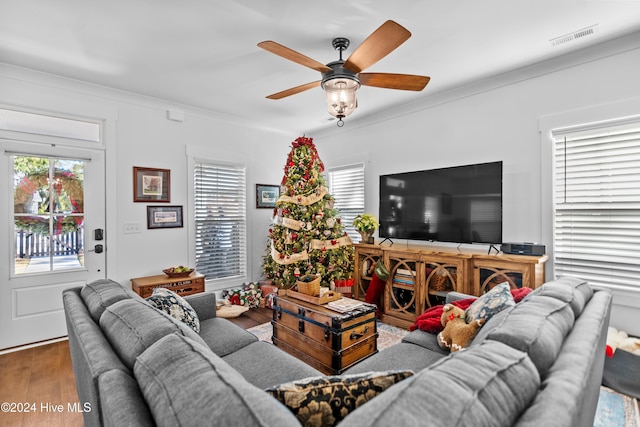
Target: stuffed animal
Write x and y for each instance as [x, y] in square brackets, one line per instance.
[620, 339]
[457, 333]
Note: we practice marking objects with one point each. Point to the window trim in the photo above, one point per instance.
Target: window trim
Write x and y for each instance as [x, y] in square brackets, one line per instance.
[589, 116]
[69, 141]
[196, 154]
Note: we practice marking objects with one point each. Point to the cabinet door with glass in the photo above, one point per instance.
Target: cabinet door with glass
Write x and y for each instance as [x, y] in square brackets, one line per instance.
[443, 274]
[402, 298]
[522, 271]
[366, 258]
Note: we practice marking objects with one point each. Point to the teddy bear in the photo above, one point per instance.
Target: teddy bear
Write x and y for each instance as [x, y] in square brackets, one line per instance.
[457, 333]
[620, 339]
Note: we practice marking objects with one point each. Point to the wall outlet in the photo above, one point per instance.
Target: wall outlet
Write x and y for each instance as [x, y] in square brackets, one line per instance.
[132, 227]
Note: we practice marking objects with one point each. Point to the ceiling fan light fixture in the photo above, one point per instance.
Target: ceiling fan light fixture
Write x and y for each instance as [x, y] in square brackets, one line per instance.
[340, 94]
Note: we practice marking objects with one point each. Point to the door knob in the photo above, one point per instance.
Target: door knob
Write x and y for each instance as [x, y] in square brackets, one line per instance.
[97, 249]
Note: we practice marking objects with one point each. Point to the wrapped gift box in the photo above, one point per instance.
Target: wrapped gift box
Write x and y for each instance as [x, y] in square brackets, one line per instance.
[345, 287]
[249, 295]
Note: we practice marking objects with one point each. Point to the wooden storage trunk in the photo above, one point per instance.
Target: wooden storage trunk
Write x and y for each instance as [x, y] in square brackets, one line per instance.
[325, 339]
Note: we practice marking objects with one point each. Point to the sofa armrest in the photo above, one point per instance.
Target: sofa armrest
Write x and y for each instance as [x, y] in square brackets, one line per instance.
[455, 296]
[204, 303]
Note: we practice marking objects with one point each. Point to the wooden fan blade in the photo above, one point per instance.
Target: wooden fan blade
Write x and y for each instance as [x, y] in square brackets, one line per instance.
[294, 90]
[379, 44]
[394, 81]
[292, 55]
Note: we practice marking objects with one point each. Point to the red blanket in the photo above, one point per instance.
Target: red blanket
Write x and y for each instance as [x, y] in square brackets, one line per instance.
[429, 321]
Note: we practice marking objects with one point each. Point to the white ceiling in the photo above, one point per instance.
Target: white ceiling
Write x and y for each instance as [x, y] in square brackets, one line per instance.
[203, 53]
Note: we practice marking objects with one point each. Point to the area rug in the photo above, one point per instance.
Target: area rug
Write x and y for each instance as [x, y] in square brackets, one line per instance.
[387, 335]
[614, 409]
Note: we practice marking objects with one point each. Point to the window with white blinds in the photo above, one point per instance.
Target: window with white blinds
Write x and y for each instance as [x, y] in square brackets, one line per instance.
[220, 220]
[346, 184]
[597, 204]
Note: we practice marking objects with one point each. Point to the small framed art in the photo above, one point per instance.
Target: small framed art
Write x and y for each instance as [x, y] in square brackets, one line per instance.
[151, 185]
[267, 196]
[164, 217]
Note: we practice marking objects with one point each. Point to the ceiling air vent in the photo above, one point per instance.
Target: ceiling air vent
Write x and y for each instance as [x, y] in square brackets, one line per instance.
[576, 35]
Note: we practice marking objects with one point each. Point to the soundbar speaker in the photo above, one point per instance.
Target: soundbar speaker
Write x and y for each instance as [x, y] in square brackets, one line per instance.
[524, 248]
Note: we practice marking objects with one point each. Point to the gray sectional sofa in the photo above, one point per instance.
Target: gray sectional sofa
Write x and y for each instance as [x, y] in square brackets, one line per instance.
[537, 363]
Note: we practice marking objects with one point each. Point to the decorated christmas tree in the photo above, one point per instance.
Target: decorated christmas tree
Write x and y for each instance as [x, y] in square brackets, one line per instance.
[307, 236]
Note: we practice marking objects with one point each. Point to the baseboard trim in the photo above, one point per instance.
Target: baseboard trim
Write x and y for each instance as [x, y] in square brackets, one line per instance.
[32, 345]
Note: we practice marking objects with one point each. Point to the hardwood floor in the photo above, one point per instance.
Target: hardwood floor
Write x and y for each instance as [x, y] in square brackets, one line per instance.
[253, 317]
[38, 380]
[40, 384]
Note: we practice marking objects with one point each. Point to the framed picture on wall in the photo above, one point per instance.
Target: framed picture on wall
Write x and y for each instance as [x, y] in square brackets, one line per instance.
[267, 196]
[164, 217]
[151, 185]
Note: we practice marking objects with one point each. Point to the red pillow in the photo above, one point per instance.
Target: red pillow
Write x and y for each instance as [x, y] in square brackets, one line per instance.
[519, 293]
[429, 321]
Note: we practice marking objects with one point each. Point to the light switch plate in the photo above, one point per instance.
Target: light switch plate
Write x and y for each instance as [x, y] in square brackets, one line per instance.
[132, 227]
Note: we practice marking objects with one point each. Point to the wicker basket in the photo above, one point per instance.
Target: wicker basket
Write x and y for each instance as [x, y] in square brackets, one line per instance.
[441, 282]
[309, 288]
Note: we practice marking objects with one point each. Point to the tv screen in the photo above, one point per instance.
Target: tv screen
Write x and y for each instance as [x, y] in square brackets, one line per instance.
[460, 204]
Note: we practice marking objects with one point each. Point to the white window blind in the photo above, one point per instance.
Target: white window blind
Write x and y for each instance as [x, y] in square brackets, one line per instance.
[346, 184]
[220, 220]
[597, 204]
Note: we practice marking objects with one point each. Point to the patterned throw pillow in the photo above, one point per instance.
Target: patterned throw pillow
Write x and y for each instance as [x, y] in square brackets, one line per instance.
[325, 401]
[176, 306]
[491, 303]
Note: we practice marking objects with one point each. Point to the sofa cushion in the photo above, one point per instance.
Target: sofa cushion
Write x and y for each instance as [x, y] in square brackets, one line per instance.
[326, 400]
[537, 326]
[486, 385]
[490, 303]
[264, 365]
[426, 340]
[100, 294]
[175, 306]
[576, 292]
[186, 384]
[121, 400]
[132, 326]
[224, 337]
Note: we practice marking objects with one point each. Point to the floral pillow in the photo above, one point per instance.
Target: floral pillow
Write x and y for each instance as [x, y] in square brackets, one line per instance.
[174, 305]
[325, 401]
[491, 303]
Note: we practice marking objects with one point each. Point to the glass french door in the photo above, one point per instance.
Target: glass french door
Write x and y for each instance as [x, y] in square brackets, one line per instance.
[54, 228]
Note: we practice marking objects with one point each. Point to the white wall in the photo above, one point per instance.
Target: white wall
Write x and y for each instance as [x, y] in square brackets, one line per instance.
[139, 134]
[498, 119]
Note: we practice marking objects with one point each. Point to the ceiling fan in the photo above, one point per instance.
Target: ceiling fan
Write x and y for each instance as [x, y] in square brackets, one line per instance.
[341, 79]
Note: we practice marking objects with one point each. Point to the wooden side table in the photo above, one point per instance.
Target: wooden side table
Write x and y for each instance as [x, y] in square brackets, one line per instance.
[191, 284]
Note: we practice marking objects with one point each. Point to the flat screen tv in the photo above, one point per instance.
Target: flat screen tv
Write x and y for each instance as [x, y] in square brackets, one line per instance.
[460, 204]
